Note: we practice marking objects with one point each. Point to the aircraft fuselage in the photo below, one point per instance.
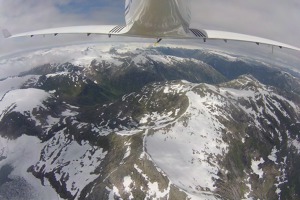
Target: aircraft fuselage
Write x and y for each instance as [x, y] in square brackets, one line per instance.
[158, 17]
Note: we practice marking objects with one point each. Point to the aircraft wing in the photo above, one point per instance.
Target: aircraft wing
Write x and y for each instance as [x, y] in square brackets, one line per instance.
[124, 30]
[97, 29]
[222, 35]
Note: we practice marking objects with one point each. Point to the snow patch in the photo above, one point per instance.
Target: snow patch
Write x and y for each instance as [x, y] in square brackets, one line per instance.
[255, 167]
[140, 59]
[153, 191]
[13, 83]
[127, 153]
[113, 193]
[21, 154]
[57, 74]
[224, 55]
[22, 100]
[273, 156]
[160, 58]
[191, 145]
[128, 183]
[296, 144]
[77, 162]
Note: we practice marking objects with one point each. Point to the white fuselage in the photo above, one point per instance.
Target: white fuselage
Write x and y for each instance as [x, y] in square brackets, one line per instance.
[158, 17]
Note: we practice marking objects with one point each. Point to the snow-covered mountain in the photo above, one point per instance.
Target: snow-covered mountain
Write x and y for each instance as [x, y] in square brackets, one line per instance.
[128, 122]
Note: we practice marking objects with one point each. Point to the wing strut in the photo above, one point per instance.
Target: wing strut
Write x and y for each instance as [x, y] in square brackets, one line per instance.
[157, 41]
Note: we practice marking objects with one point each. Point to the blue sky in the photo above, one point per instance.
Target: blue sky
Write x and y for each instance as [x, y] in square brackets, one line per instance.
[273, 19]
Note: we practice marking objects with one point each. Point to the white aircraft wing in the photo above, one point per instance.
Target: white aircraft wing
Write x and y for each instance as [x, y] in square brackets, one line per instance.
[97, 29]
[222, 35]
[124, 30]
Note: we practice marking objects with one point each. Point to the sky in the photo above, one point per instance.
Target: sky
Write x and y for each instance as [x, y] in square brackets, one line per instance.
[273, 19]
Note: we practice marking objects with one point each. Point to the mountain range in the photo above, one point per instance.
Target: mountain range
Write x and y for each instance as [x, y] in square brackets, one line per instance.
[132, 122]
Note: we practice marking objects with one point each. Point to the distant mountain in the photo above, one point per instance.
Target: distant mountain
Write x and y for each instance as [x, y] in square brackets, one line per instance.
[95, 122]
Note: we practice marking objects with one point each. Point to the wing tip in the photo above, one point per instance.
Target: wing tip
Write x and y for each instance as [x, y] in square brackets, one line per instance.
[6, 33]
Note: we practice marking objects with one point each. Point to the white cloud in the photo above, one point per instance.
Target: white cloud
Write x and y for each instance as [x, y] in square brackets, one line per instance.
[274, 19]
[22, 16]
